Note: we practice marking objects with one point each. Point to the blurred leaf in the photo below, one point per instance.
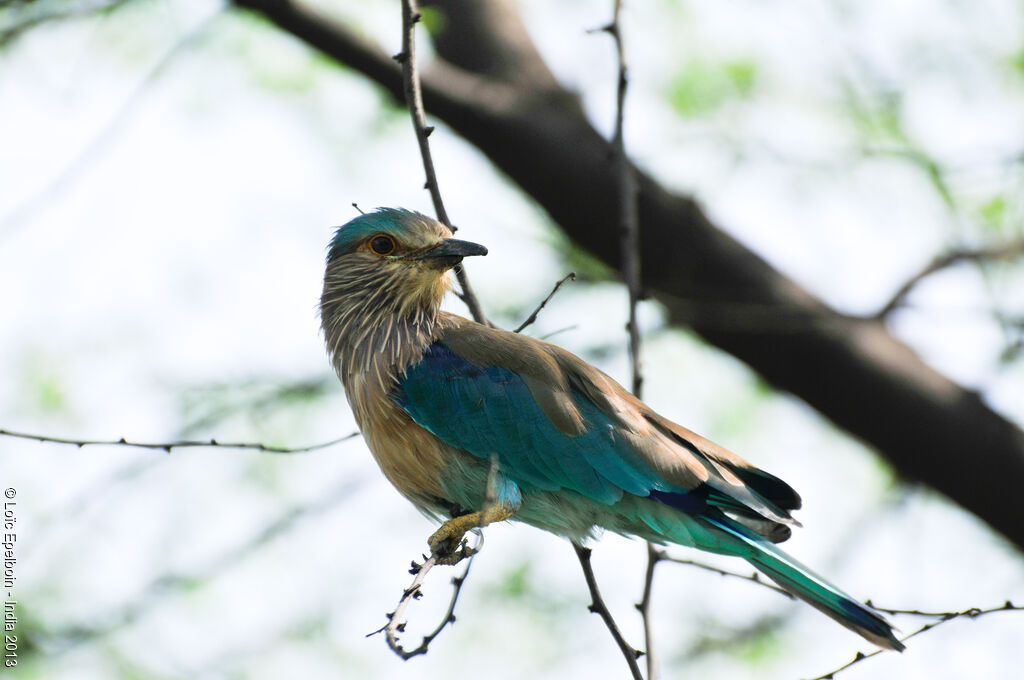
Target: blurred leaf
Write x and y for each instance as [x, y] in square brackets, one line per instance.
[993, 213]
[1017, 62]
[259, 400]
[761, 648]
[50, 394]
[516, 582]
[41, 378]
[434, 19]
[743, 75]
[700, 88]
[880, 119]
[587, 267]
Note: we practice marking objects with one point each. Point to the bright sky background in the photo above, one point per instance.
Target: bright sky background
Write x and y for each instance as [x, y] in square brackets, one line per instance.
[163, 222]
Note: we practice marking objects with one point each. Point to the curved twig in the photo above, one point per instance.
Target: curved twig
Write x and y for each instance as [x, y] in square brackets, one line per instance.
[396, 625]
[1002, 251]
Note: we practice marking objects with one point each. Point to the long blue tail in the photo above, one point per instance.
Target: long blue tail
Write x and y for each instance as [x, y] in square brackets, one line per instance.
[803, 583]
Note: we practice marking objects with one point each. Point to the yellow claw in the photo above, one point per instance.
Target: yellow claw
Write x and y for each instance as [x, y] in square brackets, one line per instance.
[447, 542]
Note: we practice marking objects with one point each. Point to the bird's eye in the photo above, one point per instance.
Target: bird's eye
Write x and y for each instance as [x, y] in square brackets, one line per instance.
[382, 245]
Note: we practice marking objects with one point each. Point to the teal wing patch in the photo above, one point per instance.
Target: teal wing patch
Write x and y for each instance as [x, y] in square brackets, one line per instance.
[489, 411]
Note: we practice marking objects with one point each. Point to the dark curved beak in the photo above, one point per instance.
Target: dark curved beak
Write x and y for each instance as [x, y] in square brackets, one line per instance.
[449, 253]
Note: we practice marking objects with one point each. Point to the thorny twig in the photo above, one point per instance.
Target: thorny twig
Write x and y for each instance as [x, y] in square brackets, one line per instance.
[395, 624]
[629, 225]
[183, 444]
[571, 276]
[629, 222]
[644, 607]
[598, 607]
[414, 100]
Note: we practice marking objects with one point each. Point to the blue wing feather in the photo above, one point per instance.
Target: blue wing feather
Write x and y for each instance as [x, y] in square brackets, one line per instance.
[491, 411]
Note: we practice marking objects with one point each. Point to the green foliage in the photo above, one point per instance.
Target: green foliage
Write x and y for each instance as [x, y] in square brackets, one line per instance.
[262, 402]
[434, 19]
[275, 63]
[1017, 63]
[50, 394]
[519, 586]
[994, 211]
[28, 652]
[516, 582]
[993, 214]
[701, 88]
[587, 267]
[42, 378]
[761, 649]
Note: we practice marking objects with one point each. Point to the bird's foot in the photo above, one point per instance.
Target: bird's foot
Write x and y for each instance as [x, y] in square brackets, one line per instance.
[448, 543]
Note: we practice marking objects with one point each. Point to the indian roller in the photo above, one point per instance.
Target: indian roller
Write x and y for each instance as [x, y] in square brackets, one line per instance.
[479, 425]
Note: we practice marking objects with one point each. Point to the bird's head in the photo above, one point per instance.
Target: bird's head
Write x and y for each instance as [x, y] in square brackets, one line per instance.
[385, 267]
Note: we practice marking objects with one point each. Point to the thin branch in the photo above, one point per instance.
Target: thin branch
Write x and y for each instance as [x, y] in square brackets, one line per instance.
[687, 257]
[629, 221]
[183, 444]
[972, 613]
[644, 607]
[571, 276]
[753, 577]
[414, 100]
[629, 226]
[396, 625]
[1002, 251]
[449, 617]
[597, 606]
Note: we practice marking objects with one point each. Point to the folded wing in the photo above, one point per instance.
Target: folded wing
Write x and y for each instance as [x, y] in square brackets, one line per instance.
[556, 423]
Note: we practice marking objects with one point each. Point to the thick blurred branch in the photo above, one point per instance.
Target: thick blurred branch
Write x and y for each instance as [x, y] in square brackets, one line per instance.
[501, 97]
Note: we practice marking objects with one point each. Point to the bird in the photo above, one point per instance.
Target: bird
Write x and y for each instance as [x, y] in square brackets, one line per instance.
[478, 425]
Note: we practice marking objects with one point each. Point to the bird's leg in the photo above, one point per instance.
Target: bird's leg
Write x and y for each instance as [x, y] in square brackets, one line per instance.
[447, 541]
